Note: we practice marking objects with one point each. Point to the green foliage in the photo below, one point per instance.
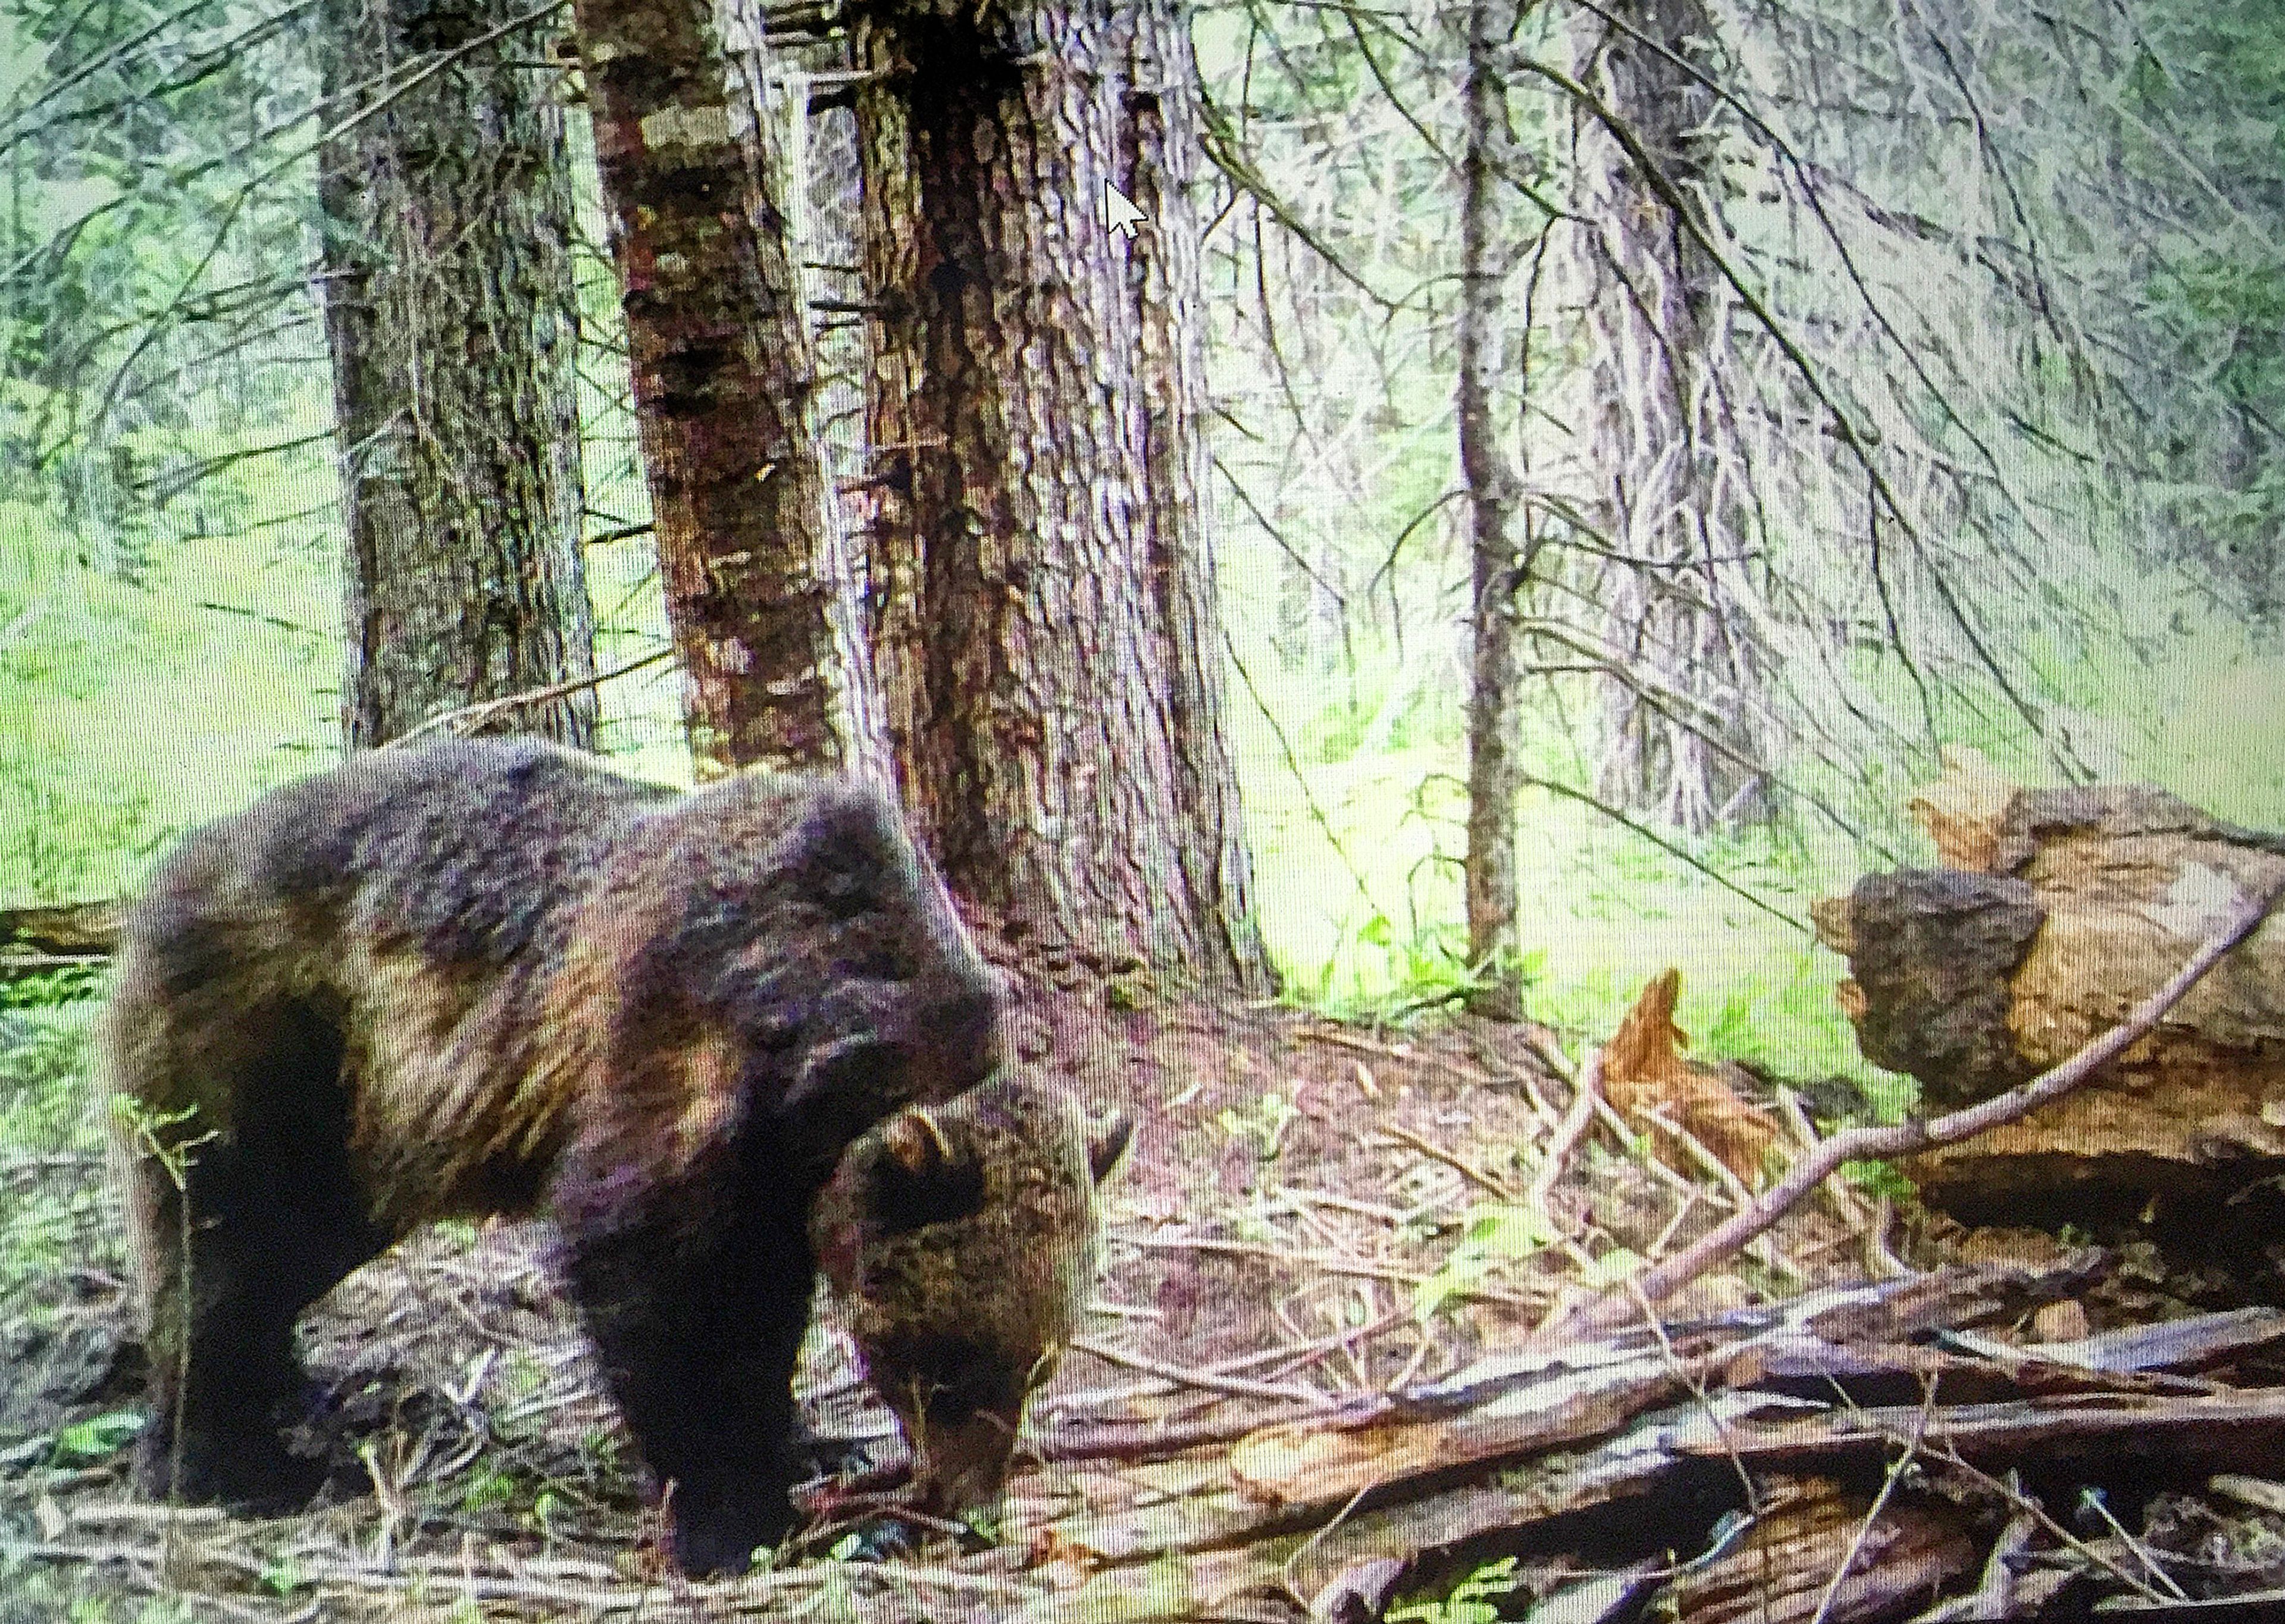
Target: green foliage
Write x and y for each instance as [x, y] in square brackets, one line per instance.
[489, 1488]
[62, 1216]
[496, 1489]
[1470, 1601]
[46, 989]
[1880, 1179]
[1496, 1233]
[600, 1452]
[283, 1576]
[1426, 964]
[98, 1437]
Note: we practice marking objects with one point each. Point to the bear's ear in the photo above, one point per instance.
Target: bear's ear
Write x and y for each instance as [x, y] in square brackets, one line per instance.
[920, 1177]
[1108, 1142]
[915, 1142]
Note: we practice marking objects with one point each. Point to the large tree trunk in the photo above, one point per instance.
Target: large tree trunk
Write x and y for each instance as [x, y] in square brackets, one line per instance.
[740, 499]
[1686, 736]
[1498, 569]
[1161, 148]
[1049, 611]
[451, 316]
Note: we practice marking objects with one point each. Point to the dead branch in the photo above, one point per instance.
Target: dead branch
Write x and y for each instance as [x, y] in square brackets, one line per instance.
[1569, 1133]
[1459, 1164]
[65, 930]
[467, 718]
[1236, 1385]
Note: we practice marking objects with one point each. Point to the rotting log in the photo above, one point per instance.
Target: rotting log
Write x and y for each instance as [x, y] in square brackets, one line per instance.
[2149, 1441]
[2080, 902]
[60, 935]
[2241, 916]
[1817, 1551]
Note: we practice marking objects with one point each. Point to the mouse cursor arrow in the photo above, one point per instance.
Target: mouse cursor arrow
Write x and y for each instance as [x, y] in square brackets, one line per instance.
[1120, 215]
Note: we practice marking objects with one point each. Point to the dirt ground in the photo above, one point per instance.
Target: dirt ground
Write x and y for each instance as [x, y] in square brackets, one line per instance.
[1292, 1182]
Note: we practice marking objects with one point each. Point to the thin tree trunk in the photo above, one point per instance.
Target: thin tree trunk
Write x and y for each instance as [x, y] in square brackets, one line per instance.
[1061, 739]
[451, 316]
[740, 499]
[1497, 567]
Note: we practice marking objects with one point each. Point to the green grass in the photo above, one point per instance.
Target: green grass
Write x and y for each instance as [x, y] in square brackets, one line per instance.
[53, 1208]
[1605, 912]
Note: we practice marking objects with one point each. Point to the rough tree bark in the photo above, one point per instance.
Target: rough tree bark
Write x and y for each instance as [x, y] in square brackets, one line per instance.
[889, 261]
[1159, 157]
[1050, 612]
[453, 326]
[1688, 744]
[1499, 568]
[740, 499]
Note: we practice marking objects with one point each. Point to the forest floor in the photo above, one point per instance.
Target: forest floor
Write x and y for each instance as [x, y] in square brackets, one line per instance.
[1310, 1210]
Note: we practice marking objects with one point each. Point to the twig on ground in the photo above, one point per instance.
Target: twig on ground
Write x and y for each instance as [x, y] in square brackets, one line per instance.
[1406, 1136]
[1880, 1262]
[1895, 1475]
[1846, 1207]
[1238, 1385]
[1586, 1089]
[1345, 1204]
[1682, 1209]
[753, 1593]
[1542, 1044]
[1762, 1249]
[2092, 1500]
[1299, 1356]
[1330, 1266]
[2011, 1492]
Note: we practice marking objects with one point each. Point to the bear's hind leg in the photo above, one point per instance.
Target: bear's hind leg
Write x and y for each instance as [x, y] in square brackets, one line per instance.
[267, 1218]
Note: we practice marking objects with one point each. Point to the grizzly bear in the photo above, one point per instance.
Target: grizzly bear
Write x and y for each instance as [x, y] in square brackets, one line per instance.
[960, 1241]
[491, 976]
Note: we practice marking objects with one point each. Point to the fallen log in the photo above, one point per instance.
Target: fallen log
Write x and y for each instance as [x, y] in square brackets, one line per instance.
[2199, 1343]
[65, 936]
[2059, 909]
[1867, 1313]
[67, 929]
[1819, 1550]
[1630, 1447]
[2140, 1441]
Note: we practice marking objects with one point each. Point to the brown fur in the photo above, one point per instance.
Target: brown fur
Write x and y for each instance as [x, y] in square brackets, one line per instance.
[960, 1241]
[492, 977]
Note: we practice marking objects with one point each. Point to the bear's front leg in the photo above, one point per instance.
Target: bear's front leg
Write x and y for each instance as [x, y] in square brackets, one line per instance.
[699, 1326]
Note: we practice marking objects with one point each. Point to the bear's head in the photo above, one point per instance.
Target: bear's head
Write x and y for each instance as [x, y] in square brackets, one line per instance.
[960, 1241]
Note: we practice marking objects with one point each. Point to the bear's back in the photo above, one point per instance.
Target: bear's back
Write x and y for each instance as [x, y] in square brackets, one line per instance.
[455, 850]
[402, 889]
